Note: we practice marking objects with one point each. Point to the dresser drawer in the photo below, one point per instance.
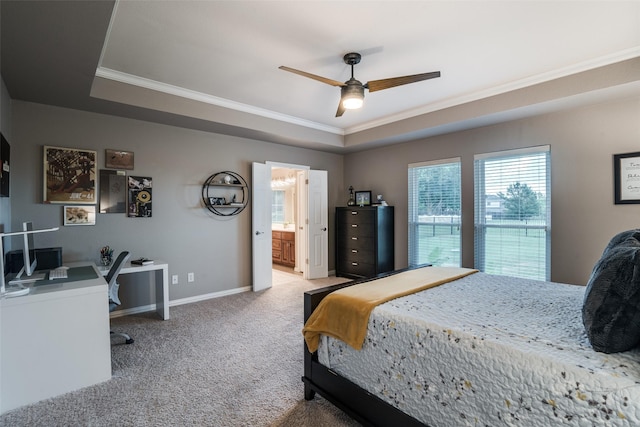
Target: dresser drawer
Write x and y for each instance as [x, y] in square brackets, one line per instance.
[276, 235]
[359, 217]
[357, 242]
[356, 268]
[365, 254]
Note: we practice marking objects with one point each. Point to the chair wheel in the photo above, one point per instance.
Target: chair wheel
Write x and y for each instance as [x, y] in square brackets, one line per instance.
[129, 341]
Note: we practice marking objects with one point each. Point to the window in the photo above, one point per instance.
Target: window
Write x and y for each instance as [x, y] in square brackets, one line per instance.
[277, 206]
[434, 213]
[513, 213]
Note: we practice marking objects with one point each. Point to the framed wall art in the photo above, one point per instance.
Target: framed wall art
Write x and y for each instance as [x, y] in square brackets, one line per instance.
[5, 151]
[363, 198]
[118, 159]
[139, 191]
[113, 191]
[69, 175]
[79, 215]
[626, 178]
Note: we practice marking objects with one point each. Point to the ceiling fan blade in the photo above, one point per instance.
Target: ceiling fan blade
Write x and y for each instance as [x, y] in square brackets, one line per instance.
[375, 85]
[341, 109]
[312, 76]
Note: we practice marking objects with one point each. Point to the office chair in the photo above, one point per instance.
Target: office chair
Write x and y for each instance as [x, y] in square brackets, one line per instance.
[111, 278]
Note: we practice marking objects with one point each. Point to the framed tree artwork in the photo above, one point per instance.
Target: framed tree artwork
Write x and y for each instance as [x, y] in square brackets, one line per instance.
[69, 175]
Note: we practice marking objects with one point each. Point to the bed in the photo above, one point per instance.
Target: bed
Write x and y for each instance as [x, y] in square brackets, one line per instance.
[483, 350]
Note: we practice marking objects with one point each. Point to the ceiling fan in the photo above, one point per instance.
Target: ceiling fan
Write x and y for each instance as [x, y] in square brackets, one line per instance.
[352, 91]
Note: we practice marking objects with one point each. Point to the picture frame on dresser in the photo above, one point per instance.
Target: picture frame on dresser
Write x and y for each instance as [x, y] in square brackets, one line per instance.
[626, 174]
[363, 198]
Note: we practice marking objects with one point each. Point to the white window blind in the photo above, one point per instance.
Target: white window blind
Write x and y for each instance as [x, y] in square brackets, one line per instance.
[513, 213]
[434, 213]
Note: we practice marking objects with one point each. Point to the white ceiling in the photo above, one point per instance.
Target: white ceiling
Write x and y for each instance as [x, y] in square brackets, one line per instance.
[218, 60]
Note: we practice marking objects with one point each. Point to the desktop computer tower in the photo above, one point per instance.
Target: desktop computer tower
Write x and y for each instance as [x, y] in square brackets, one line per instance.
[47, 258]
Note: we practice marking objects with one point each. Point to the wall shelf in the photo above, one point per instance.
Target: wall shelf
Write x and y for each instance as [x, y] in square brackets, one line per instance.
[225, 193]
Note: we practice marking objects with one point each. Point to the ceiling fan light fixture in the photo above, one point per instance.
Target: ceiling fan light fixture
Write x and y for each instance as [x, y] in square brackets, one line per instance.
[353, 96]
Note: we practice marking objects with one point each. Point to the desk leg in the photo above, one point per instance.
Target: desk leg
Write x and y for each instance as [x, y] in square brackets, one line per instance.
[162, 293]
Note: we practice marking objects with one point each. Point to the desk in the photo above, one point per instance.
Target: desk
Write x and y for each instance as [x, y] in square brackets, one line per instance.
[162, 286]
[54, 340]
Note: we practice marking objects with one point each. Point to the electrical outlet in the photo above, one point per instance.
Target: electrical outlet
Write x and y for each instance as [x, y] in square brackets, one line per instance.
[190, 277]
[174, 279]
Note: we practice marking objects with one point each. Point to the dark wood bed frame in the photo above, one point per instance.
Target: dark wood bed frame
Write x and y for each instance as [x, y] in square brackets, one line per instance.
[362, 406]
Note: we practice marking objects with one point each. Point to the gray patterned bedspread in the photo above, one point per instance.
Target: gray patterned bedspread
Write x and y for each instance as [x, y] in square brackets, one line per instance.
[491, 350]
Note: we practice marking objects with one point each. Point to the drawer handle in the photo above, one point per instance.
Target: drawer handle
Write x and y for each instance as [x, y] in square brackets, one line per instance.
[354, 225]
[354, 238]
[354, 213]
[354, 251]
[354, 263]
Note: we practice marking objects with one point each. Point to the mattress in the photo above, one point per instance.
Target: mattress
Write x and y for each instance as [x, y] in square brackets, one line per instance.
[490, 350]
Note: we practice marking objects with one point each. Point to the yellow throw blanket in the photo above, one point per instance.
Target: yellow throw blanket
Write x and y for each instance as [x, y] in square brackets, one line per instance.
[344, 314]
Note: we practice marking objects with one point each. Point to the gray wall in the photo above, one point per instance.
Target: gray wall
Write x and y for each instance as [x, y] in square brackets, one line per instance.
[582, 142]
[181, 231]
[218, 250]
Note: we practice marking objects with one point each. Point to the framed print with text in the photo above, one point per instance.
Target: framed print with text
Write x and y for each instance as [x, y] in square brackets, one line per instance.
[626, 178]
[69, 175]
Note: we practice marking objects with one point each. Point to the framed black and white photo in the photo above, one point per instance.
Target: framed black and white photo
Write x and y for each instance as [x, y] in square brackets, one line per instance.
[363, 198]
[626, 178]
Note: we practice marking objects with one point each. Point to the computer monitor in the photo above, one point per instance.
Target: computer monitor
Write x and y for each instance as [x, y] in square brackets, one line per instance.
[30, 262]
[27, 230]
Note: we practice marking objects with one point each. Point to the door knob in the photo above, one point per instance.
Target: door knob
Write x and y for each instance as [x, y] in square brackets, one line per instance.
[259, 233]
[324, 229]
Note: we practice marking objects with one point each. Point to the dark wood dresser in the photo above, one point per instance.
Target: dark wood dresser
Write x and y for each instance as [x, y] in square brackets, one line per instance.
[364, 241]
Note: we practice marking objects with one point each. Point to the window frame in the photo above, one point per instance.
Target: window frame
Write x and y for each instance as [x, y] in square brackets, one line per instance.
[414, 224]
[480, 209]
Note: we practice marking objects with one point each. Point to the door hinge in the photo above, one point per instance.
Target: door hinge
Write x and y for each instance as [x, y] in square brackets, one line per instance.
[306, 181]
[306, 261]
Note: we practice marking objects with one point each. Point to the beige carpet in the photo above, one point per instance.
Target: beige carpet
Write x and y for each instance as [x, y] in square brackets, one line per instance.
[232, 361]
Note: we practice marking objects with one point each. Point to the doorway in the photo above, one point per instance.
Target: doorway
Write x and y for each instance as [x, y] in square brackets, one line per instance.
[311, 235]
[286, 200]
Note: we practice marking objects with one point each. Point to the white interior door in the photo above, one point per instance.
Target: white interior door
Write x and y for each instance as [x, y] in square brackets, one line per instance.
[301, 208]
[317, 263]
[261, 226]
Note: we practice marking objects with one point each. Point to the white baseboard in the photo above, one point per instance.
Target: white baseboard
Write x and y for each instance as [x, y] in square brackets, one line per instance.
[204, 297]
[189, 300]
[152, 307]
[132, 310]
